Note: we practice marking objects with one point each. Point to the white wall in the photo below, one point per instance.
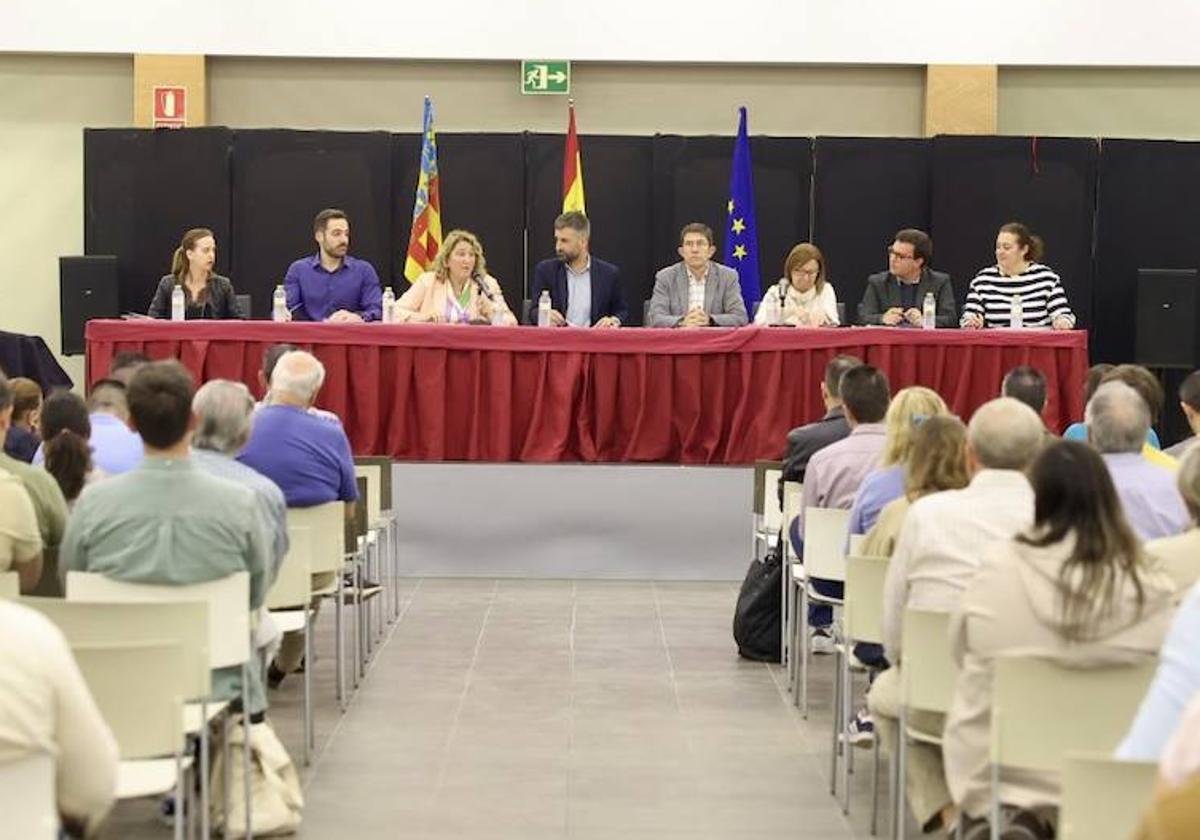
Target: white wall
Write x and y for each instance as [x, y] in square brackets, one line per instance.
[1059, 32]
[45, 103]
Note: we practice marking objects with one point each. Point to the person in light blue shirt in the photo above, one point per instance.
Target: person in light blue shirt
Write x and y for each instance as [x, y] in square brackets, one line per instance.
[116, 448]
[332, 285]
[1175, 683]
[1136, 377]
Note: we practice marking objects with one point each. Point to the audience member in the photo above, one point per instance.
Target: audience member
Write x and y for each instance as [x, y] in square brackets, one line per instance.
[908, 408]
[805, 440]
[1026, 384]
[124, 365]
[896, 297]
[457, 289]
[167, 521]
[937, 554]
[270, 358]
[20, 541]
[307, 457]
[46, 708]
[331, 285]
[1180, 554]
[22, 439]
[804, 297]
[585, 291]
[696, 292]
[66, 430]
[1017, 276]
[1149, 388]
[1189, 404]
[835, 473]
[47, 498]
[1117, 420]
[115, 447]
[1072, 588]
[1174, 813]
[936, 462]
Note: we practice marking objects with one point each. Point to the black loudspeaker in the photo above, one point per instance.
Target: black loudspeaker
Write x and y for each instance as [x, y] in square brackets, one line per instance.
[1167, 304]
[87, 289]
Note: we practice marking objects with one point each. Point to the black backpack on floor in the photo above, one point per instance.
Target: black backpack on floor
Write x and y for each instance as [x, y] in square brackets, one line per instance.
[757, 619]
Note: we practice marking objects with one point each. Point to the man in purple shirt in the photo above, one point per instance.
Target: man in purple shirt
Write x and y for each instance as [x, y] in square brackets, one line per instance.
[333, 286]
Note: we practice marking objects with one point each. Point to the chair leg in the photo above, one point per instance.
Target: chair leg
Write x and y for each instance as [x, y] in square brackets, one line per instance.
[901, 773]
[340, 644]
[875, 786]
[205, 827]
[995, 773]
[225, 781]
[308, 669]
[802, 635]
[837, 744]
[846, 710]
[179, 797]
[246, 747]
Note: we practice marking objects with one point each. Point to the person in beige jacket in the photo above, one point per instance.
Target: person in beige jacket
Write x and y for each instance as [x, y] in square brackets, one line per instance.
[1074, 588]
[451, 292]
[1179, 556]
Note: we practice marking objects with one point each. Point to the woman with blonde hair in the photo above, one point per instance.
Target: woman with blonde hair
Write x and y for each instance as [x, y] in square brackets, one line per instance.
[886, 483]
[458, 290]
[205, 294]
[807, 298]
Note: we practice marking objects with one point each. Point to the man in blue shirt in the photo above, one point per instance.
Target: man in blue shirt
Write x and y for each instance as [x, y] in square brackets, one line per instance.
[333, 286]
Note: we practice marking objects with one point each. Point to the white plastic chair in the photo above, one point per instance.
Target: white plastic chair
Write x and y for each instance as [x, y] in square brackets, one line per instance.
[289, 604]
[1042, 710]
[10, 585]
[230, 640]
[29, 798]
[765, 509]
[793, 496]
[323, 526]
[139, 690]
[928, 675]
[372, 550]
[1103, 797]
[824, 558]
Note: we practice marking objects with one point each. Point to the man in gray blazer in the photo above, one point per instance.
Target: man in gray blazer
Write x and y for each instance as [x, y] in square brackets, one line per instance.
[696, 292]
[896, 297]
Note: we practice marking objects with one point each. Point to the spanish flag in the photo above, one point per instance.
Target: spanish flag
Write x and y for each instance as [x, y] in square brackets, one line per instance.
[426, 238]
[572, 169]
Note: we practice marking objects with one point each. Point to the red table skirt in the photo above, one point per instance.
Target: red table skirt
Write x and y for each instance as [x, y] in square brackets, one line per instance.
[713, 396]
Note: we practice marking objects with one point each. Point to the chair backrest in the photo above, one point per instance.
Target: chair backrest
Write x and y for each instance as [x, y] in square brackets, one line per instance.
[107, 623]
[323, 524]
[10, 585]
[825, 532]
[293, 585]
[356, 525]
[373, 474]
[646, 312]
[864, 598]
[228, 600]
[139, 691]
[761, 491]
[1103, 797]
[793, 497]
[929, 673]
[772, 513]
[1042, 710]
[855, 543]
[29, 797]
[385, 476]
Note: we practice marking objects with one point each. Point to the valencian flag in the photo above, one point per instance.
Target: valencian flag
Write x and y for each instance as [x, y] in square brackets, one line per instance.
[572, 168]
[426, 238]
[741, 230]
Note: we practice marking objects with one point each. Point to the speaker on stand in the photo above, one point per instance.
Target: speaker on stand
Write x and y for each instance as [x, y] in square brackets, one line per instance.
[87, 289]
[1168, 309]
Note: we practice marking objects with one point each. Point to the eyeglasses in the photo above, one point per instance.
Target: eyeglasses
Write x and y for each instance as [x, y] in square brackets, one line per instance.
[892, 252]
[803, 272]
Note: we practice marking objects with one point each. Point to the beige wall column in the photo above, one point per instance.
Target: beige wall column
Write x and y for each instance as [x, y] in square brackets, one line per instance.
[960, 99]
[172, 71]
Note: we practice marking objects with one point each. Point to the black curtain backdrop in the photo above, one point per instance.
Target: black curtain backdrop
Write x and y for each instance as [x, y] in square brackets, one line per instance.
[143, 190]
[617, 177]
[864, 190]
[691, 184]
[282, 179]
[1048, 183]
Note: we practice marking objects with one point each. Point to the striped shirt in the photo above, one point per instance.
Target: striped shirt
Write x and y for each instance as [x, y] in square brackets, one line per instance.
[1042, 297]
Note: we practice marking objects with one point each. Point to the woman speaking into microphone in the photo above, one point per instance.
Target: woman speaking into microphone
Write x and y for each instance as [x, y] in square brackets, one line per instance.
[458, 290]
[205, 294]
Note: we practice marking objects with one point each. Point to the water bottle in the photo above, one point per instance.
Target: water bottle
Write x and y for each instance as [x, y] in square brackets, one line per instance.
[389, 301]
[544, 309]
[178, 309]
[279, 308]
[929, 312]
[774, 312]
[1016, 314]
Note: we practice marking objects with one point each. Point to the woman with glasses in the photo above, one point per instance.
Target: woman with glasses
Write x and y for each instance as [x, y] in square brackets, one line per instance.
[802, 297]
[1018, 291]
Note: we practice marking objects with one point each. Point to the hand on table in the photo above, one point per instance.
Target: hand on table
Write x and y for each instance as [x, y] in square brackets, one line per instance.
[694, 318]
[892, 317]
[556, 319]
[1063, 323]
[913, 316]
[972, 322]
[607, 322]
[344, 316]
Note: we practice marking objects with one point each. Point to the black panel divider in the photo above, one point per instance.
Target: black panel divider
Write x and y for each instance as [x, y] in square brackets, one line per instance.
[864, 190]
[1105, 208]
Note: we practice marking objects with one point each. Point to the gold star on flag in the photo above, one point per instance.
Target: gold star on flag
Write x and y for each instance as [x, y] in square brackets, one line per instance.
[730, 210]
[739, 225]
[740, 252]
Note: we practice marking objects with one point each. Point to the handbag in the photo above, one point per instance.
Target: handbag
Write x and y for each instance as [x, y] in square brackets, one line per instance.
[276, 796]
[757, 619]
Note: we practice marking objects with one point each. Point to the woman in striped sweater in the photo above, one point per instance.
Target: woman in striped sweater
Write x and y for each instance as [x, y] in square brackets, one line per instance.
[1017, 272]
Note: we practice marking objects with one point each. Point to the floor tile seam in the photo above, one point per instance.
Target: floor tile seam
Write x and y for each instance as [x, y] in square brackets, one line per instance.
[323, 749]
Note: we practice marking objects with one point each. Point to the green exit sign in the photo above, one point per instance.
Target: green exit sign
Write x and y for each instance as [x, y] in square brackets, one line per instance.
[545, 77]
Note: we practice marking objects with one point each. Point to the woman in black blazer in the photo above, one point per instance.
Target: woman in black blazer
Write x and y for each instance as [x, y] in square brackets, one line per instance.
[205, 295]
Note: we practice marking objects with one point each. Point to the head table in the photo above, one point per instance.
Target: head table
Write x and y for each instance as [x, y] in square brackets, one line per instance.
[704, 396]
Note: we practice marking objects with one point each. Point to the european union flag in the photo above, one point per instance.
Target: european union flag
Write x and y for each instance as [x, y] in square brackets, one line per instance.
[741, 230]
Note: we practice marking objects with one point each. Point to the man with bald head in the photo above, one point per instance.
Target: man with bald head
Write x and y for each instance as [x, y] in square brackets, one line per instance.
[1118, 419]
[937, 555]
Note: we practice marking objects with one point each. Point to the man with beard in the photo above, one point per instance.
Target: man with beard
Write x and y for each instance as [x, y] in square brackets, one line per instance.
[333, 286]
[584, 291]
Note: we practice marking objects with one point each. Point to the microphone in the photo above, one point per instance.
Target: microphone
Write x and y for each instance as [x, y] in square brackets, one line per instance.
[483, 289]
[783, 287]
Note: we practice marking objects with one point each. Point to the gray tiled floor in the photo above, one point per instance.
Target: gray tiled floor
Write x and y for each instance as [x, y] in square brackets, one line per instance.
[562, 709]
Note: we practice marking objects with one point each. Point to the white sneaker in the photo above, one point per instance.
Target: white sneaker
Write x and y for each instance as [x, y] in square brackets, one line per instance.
[821, 642]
